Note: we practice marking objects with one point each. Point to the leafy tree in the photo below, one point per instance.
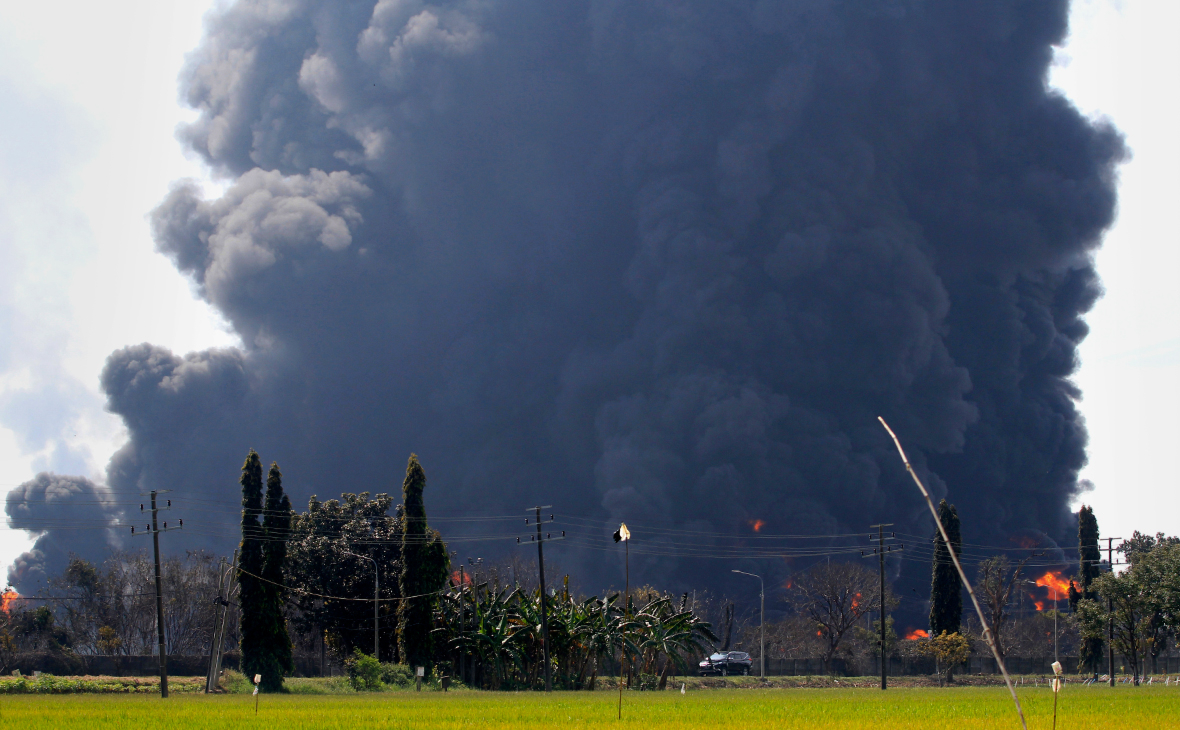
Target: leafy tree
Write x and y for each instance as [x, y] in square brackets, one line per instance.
[322, 561]
[834, 597]
[994, 585]
[425, 566]
[949, 650]
[1089, 560]
[1129, 615]
[872, 636]
[946, 595]
[1144, 549]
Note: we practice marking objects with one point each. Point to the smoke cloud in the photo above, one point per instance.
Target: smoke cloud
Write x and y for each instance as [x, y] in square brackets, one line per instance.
[72, 515]
[659, 261]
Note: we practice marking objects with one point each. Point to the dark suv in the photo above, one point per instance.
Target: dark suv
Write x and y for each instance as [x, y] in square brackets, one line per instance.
[726, 663]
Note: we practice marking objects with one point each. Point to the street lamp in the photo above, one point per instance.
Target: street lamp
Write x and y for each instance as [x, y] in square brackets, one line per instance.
[376, 593]
[761, 623]
[623, 535]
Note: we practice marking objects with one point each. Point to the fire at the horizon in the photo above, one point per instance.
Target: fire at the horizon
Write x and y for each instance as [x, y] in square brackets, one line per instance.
[756, 524]
[1053, 580]
[917, 634]
[6, 598]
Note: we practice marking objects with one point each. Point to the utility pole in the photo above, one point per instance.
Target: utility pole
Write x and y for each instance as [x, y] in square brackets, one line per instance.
[219, 619]
[540, 540]
[154, 529]
[210, 679]
[544, 615]
[761, 623]
[1110, 614]
[880, 550]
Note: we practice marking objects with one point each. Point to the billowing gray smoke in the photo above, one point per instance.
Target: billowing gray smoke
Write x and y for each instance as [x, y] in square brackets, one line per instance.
[70, 515]
[661, 260]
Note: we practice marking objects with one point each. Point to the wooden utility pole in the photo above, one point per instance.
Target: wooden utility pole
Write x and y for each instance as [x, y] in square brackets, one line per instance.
[541, 539]
[154, 529]
[544, 615]
[219, 619]
[881, 553]
[1110, 615]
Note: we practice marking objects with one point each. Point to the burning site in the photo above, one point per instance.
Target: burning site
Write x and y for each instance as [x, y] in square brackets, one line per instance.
[759, 323]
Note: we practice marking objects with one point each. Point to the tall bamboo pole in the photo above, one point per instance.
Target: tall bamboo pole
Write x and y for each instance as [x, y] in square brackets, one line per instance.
[987, 633]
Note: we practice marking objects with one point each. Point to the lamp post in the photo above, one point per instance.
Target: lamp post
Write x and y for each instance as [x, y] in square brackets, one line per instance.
[761, 623]
[376, 598]
[623, 535]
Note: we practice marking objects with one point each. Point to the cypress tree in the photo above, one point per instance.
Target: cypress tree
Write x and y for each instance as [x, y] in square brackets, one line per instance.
[425, 565]
[1091, 651]
[276, 527]
[946, 595]
[251, 595]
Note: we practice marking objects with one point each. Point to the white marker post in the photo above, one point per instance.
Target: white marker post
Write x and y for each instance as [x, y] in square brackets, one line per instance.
[420, 672]
[1056, 689]
[257, 680]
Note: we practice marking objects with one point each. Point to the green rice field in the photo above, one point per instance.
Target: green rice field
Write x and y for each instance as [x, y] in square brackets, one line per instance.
[1096, 708]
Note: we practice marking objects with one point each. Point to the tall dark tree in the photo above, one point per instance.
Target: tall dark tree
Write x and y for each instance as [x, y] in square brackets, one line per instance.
[425, 565]
[946, 594]
[251, 595]
[1091, 651]
[276, 527]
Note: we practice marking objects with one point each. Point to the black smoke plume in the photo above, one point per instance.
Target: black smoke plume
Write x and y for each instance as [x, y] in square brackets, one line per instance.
[662, 261]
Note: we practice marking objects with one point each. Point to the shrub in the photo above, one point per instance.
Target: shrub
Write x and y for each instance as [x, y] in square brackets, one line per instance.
[364, 671]
[646, 682]
[398, 675]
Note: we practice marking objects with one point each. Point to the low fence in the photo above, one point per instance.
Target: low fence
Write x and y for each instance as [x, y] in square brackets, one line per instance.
[924, 666]
[63, 664]
[309, 665]
[145, 665]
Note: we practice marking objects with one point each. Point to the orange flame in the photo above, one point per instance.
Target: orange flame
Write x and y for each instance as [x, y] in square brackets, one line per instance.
[756, 524]
[1040, 605]
[456, 577]
[790, 584]
[917, 634]
[1054, 580]
[6, 598]
[856, 601]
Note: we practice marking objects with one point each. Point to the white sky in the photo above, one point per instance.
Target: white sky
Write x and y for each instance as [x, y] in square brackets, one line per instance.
[87, 149]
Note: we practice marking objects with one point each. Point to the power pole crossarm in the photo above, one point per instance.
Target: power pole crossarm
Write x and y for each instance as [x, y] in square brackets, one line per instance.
[544, 615]
[159, 602]
[1110, 615]
[881, 554]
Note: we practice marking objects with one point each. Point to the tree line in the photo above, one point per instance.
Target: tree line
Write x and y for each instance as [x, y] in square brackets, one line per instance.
[307, 582]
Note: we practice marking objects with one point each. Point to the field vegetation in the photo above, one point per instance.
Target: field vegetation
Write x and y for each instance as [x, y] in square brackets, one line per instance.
[906, 709]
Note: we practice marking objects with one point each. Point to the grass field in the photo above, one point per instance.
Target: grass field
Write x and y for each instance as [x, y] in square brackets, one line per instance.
[1096, 708]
